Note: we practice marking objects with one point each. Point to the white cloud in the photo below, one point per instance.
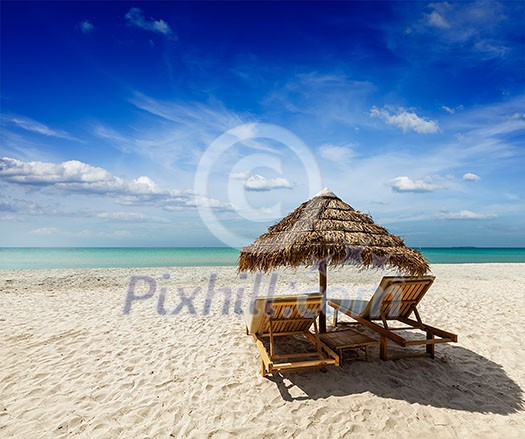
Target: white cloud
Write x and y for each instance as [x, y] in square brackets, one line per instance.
[55, 232]
[341, 154]
[46, 231]
[86, 26]
[465, 215]
[193, 127]
[406, 120]
[20, 209]
[73, 174]
[78, 177]
[36, 127]
[121, 216]
[10, 218]
[468, 25]
[328, 99]
[406, 184]
[8, 205]
[469, 176]
[202, 201]
[240, 175]
[451, 110]
[15, 205]
[119, 141]
[491, 49]
[212, 115]
[435, 19]
[259, 183]
[135, 17]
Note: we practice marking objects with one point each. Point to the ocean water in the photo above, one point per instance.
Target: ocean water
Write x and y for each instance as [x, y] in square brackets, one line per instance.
[472, 255]
[106, 257]
[93, 257]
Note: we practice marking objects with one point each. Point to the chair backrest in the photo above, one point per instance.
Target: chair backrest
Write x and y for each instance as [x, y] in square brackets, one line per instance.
[290, 313]
[397, 297]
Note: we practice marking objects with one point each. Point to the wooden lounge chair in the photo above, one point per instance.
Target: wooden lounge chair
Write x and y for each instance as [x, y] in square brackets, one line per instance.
[291, 315]
[396, 298]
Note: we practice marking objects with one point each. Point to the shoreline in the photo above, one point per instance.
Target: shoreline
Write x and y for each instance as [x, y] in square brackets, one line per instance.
[189, 267]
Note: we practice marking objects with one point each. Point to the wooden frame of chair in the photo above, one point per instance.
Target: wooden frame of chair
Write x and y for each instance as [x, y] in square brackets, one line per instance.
[396, 299]
[290, 316]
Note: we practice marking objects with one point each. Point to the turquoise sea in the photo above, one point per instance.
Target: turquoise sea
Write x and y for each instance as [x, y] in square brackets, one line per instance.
[92, 257]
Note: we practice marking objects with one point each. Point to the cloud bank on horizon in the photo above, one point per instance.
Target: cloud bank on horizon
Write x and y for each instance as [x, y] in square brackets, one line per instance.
[413, 113]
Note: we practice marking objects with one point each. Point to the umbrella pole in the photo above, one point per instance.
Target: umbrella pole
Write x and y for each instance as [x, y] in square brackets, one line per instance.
[322, 290]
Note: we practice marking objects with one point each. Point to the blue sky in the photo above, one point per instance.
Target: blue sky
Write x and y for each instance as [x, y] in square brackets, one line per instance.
[196, 123]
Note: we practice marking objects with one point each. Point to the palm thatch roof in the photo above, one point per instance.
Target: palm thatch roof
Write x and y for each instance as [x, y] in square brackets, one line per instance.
[326, 228]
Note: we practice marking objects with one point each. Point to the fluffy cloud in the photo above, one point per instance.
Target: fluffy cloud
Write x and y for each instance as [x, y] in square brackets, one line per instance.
[259, 183]
[469, 176]
[407, 184]
[72, 175]
[240, 175]
[86, 26]
[136, 18]
[78, 177]
[465, 215]
[406, 120]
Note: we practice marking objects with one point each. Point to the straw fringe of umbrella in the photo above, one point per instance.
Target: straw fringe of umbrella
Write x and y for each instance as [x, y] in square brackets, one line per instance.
[325, 228]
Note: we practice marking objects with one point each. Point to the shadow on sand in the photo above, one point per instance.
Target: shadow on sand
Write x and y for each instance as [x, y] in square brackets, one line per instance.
[457, 379]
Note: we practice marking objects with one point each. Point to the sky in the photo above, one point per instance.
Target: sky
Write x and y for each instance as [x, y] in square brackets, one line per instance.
[202, 123]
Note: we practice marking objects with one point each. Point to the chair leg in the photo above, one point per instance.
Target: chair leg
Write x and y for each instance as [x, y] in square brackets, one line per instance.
[430, 346]
[271, 340]
[334, 320]
[383, 348]
[263, 369]
[317, 338]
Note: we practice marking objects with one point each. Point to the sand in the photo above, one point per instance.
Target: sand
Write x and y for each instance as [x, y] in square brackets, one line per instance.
[73, 364]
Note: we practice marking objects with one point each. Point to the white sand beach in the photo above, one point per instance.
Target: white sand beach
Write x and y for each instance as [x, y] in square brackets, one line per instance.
[73, 364]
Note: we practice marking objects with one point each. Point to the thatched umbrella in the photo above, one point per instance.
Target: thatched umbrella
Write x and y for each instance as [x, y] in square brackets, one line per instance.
[325, 230]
